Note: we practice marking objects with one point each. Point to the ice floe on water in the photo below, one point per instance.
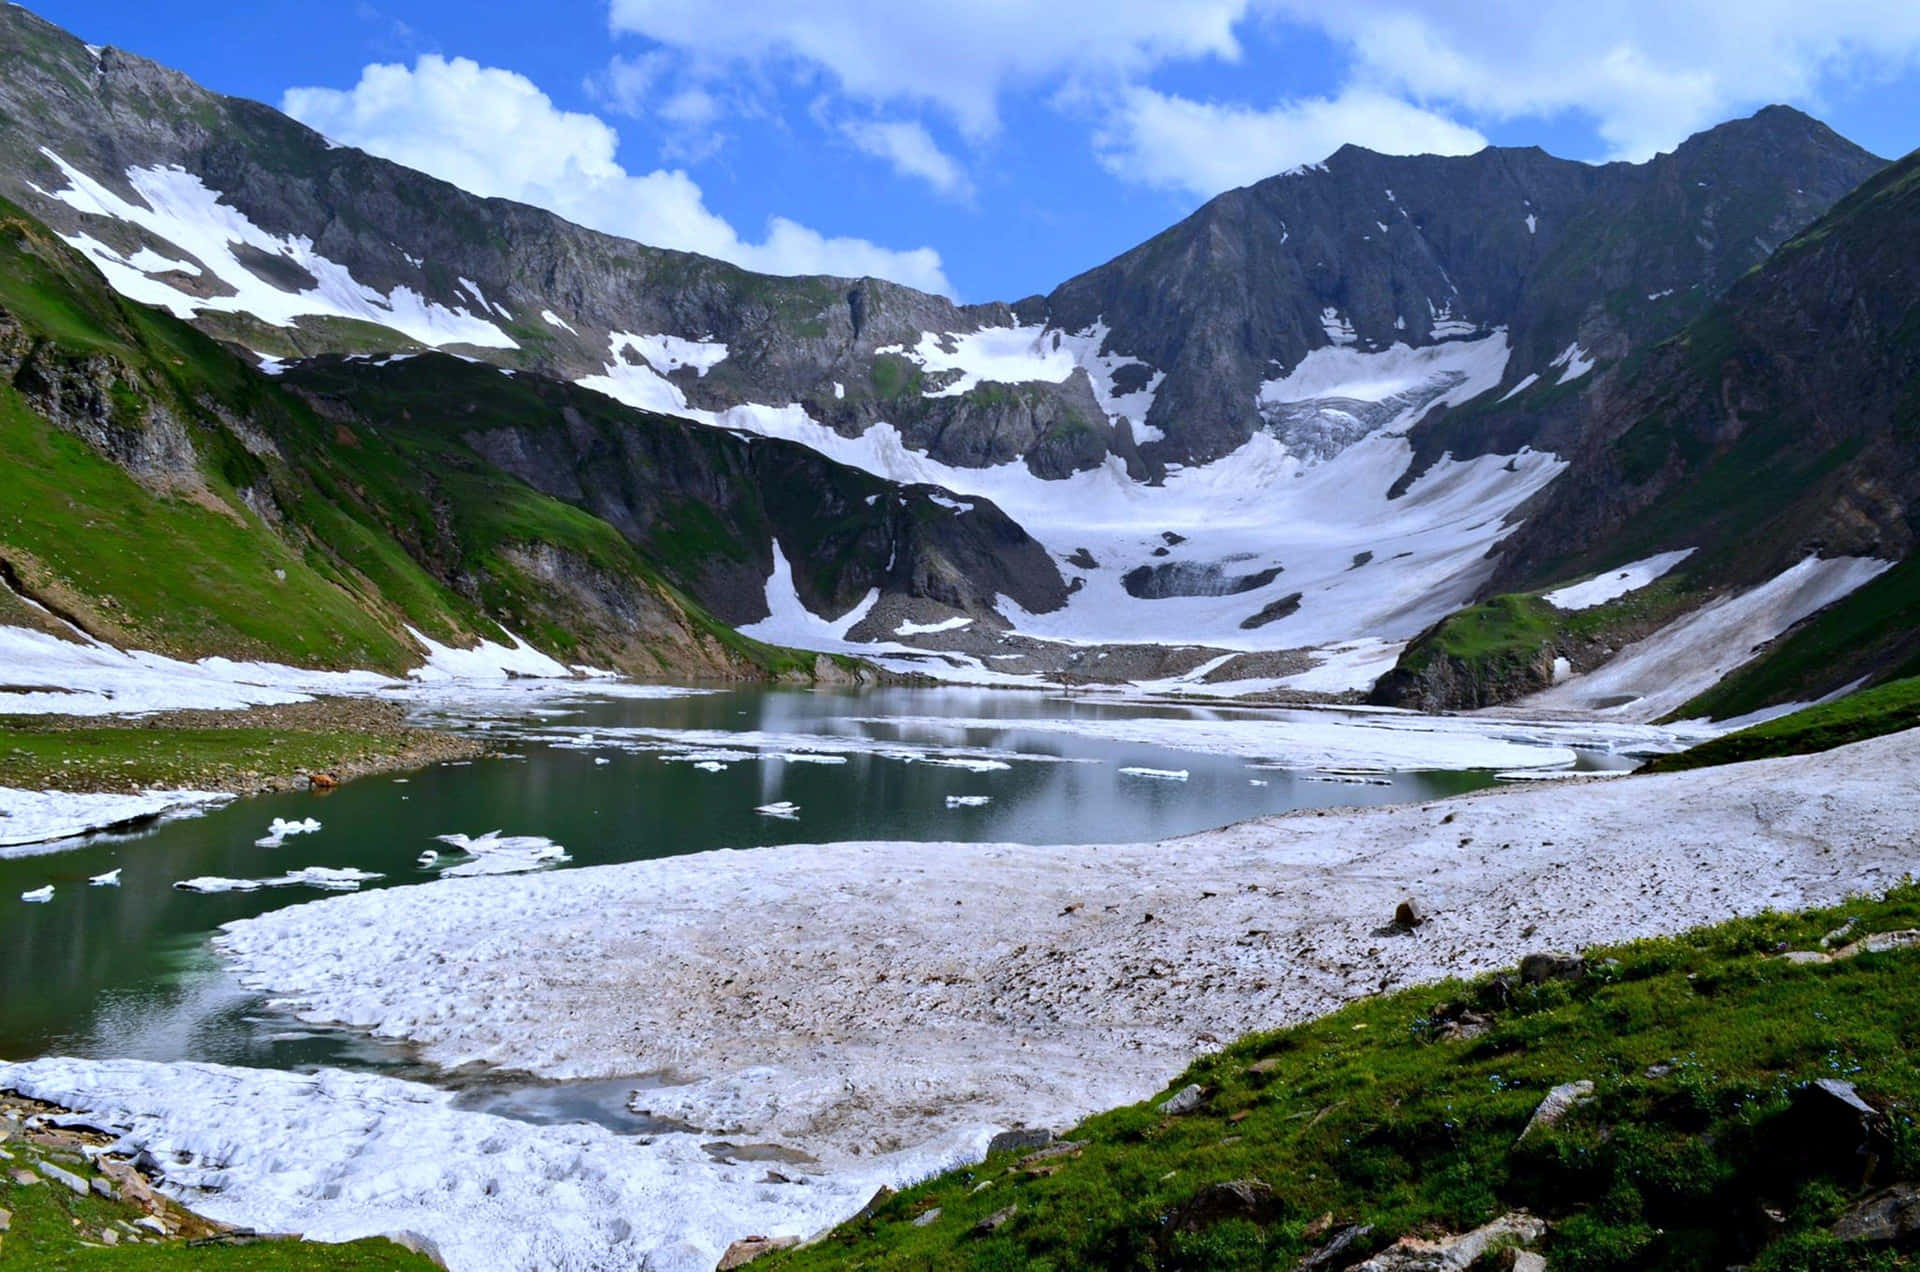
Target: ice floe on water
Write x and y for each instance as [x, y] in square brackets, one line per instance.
[280, 828]
[38, 896]
[339, 1156]
[31, 820]
[969, 801]
[1170, 775]
[111, 879]
[495, 854]
[326, 878]
[783, 810]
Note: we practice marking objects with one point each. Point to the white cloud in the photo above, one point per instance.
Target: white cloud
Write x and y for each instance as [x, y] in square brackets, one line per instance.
[959, 57]
[912, 151]
[1648, 72]
[1156, 139]
[493, 132]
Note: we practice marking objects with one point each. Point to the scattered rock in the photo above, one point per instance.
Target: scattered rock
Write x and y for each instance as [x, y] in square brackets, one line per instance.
[73, 1182]
[1551, 965]
[926, 1217]
[1528, 1261]
[1560, 1101]
[1409, 914]
[1019, 1139]
[747, 1249]
[994, 1222]
[1081, 559]
[101, 1187]
[109, 1237]
[1334, 1253]
[1805, 957]
[1879, 943]
[1264, 1067]
[874, 1203]
[1891, 1217]
[1184, 1101]
[1248, 1199]
[1053, 1153]
[25, 1178]
[1828, 1129]
[1455, 1254]
[6, 1220]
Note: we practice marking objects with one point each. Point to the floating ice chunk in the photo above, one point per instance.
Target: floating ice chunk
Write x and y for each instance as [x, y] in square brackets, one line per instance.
[280, 828]
[601, 759]
[968, 801]
[785, 810]
[808, 757]
[111, 879]
[968, 763]
[1615, 583]
[710, 766]
[427, 858]
[1257, 781]
[1171, 775]
[38, 895]
[1533, 223]
[342, 879]
[496, 854]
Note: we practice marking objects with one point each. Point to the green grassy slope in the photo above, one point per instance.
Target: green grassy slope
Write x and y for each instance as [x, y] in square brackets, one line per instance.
[268, 530]
[1688, 1157]
[1886, 708]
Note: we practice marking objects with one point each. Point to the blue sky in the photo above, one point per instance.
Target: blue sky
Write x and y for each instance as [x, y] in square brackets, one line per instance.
[994, 149]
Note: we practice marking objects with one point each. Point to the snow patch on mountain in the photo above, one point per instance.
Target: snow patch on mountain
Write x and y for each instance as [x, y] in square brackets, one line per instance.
[1613, 584]
[1003, 355]
[180, 210]
[1576, 361]
[1661, 673]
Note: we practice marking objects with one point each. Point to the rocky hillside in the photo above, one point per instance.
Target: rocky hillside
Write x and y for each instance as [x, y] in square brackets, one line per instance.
[1155, 357]
[162, 493]
[1777, 426]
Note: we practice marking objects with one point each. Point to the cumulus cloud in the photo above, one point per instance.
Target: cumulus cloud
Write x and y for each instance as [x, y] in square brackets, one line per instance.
[1161, 140]
[1647, 72]
[493, 132]
[912, 152]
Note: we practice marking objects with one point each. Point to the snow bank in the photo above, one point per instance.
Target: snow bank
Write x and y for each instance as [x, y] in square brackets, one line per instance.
[865, 997]
[487, 660]
[1658, 675]
[32, 818]
[790, 622]
[1602, 588]
[339, 1156]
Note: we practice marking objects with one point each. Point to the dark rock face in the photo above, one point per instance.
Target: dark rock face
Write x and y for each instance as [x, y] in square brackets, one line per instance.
[1193, 578]
[1888, 1218]
[707, 505]
[1416, 249]
[1363, 248]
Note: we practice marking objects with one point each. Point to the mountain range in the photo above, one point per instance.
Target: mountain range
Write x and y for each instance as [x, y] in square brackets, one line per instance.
[1373, 415]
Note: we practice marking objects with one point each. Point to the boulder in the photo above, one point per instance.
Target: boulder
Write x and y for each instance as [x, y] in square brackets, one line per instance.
[1829, 1130]
[1248, 1199]
[1409, 914]
[1019, 1139]
[747, 1249]
[926, 1217]
[1888, 1218]
[1551, 965]
[1333, 1253]
[994, 1222]
[1456, 1254]
[59, 1176]
[1184, 1101]
[1560, 1101]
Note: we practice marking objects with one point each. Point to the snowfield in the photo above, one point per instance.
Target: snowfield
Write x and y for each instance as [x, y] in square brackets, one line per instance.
[32, 822]
[865, 1000]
